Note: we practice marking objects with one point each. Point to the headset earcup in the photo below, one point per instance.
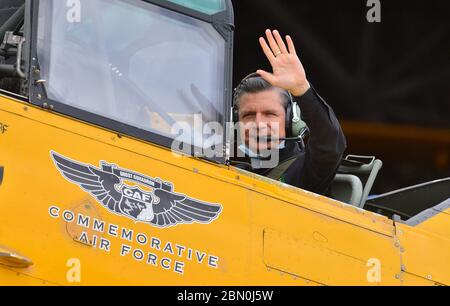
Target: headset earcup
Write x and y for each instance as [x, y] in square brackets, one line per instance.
[298, 127]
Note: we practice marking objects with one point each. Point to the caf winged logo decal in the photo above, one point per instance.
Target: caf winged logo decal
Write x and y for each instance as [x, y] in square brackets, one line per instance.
[161, 207]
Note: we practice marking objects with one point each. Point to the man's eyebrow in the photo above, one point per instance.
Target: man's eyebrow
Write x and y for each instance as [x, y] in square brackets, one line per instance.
[266, 111]
[247, 112]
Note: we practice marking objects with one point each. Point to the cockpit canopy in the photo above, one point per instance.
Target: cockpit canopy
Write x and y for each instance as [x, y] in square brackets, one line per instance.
[147, 66]
[156, 70]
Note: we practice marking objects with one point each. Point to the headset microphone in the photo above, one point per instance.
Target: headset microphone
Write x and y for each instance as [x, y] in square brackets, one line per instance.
[290, 139]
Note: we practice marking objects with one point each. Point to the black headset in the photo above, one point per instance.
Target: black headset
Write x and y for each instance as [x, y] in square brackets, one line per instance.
[296, 128]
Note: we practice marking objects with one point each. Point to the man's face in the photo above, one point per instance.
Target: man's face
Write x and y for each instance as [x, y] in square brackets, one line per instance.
[263, 118]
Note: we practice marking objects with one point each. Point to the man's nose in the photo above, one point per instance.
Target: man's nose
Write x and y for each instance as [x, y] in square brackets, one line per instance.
[261, 122]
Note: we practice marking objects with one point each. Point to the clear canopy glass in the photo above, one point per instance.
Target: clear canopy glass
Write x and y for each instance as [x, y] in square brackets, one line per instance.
[133, 62]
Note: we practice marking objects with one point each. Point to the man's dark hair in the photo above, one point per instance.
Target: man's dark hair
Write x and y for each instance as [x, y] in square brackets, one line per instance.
[257, 84]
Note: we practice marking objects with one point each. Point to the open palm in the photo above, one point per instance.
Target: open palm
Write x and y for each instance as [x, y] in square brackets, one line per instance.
[288, 72]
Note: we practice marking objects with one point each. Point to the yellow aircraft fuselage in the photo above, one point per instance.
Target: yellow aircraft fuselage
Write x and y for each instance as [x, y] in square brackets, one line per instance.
[263, 232]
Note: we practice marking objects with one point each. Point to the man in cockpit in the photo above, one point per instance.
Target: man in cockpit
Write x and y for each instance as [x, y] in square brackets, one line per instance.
[266, 106]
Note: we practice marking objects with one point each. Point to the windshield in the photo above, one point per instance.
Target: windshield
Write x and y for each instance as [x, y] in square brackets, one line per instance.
[132, 62]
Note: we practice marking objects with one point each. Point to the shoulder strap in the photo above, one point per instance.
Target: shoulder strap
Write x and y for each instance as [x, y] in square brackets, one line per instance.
[277, 173]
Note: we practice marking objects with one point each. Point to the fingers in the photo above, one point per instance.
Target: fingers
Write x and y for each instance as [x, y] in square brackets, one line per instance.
[276, 44]
[276, 50]
[291, 45]
[267, 51]
[280, 42]
[269, 77]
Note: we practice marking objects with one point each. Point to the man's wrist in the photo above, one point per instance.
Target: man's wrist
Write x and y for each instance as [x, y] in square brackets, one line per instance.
[301, 90]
